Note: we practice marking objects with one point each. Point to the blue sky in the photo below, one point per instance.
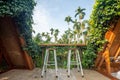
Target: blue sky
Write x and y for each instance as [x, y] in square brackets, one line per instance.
[51, 13]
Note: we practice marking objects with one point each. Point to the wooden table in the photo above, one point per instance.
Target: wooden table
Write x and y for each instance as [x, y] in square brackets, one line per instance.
[73, 47]
[62, 45]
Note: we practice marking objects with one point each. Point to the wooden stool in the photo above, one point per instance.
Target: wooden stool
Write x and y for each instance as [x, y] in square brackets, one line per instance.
[46, 62]
[76, 62]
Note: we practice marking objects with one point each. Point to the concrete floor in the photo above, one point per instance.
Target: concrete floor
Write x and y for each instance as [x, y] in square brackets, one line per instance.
[50, 75]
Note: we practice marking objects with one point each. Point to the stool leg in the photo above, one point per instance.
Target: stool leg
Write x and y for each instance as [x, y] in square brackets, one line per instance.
[80, 63]
[45, 64]
[69, 61]
[77, 61]
[56, 68]
[47, 57]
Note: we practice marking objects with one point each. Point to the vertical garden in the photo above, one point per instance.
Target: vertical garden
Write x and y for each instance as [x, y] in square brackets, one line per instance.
[104, 13]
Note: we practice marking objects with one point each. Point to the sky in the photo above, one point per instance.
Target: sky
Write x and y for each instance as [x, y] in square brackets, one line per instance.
[49, 14]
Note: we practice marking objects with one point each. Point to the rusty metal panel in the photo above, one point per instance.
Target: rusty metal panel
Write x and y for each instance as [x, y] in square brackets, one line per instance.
[11, 42]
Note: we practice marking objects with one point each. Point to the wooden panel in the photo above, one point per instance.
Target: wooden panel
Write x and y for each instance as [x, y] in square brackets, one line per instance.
[0, 56]
[4, 54]
[0, 52]
[9, 39]
[112, 50]
[117, 53]
[109, 36]
[116, 42]
[12, 43]
[28, 61]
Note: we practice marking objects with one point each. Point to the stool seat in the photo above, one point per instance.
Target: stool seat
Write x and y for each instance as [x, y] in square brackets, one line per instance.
[49, 63]
[76, 62]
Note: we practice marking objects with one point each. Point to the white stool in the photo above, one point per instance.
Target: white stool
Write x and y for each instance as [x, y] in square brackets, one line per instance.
[46, 62]
[76, 62]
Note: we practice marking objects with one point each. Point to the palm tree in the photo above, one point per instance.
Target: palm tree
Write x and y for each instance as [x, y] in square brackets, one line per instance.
[56, 34]
[77, 29]
[81, 26]
[69, 35]
[68, 19]
[43, 36]
[60, 41]
[48, 38]
[80, 12]
[65, 38]
[74, 35]
[52, 31]
[43, 33]
[85, 30]
[38, 38]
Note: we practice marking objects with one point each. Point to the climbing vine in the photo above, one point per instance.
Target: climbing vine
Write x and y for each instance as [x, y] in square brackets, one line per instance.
[104, 13]
[21, 12]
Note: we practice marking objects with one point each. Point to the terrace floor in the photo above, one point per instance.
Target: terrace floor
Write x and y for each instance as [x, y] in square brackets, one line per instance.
[35, 74]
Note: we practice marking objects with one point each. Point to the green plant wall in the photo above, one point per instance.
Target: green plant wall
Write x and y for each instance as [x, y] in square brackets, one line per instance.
[103, 14]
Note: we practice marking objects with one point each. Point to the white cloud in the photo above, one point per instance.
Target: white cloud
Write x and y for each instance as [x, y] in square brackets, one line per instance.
[44, 20]
[41, 19]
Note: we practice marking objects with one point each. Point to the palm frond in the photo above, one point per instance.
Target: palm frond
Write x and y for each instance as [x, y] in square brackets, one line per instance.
[76, 14]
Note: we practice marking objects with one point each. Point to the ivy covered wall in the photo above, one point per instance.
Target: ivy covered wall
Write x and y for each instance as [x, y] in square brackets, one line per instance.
[104, 13]
[21, 12]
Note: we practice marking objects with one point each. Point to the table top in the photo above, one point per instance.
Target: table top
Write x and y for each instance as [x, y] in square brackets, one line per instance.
[62, 45]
